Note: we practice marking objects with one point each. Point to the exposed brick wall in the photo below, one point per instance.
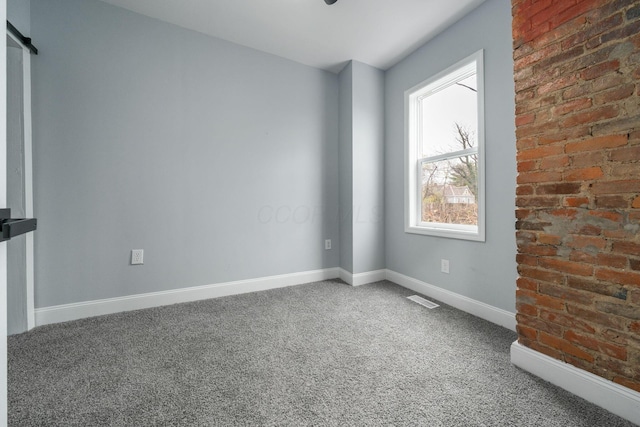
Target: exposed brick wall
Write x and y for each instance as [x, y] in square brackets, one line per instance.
[577, 80]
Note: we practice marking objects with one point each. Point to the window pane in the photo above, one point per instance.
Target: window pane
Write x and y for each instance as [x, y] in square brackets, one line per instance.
[443, 112]
[449, 191]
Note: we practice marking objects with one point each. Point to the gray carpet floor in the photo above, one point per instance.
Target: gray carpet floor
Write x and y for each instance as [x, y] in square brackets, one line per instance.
[322, 354]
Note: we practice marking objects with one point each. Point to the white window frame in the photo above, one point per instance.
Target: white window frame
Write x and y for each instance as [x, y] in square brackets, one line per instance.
[413, 205]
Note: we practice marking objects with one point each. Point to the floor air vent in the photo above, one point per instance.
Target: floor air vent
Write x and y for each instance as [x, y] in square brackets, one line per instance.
[423, 302]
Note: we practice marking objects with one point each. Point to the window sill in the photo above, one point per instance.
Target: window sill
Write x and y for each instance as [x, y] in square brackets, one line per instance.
[473, 235]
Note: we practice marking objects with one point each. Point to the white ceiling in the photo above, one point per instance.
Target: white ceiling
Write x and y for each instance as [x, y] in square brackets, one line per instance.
[377, 32]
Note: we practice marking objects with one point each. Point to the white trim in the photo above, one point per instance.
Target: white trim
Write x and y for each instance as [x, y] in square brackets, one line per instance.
[411, 157]
[477, 308]
[613, 397]
[66, 312]
[359, 279]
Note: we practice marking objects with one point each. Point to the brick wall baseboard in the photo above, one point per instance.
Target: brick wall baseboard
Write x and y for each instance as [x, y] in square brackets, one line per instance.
[613, 397]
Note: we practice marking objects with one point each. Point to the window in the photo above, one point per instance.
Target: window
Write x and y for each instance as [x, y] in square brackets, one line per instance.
[445, 153]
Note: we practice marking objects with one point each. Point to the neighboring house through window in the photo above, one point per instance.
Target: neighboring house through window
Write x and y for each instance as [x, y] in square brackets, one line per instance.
[445, 153]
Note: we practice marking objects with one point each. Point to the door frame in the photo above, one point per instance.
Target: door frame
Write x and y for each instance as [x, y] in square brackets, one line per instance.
[28, 176]
[3, 203]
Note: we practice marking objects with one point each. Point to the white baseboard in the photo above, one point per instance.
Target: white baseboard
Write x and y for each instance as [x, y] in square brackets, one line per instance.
[66, 312]
[613, 397]
[359, 279]
[477, 308]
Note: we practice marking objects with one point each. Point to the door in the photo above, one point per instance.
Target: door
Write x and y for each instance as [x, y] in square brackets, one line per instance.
[3, 246]
[20, 267]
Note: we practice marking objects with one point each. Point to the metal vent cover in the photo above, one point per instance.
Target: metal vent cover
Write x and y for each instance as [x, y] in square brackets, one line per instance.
[423, 302]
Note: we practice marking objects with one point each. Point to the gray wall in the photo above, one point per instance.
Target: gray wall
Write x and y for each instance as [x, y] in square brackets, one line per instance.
[18, 13]
[368, 168]
[361, 166]
[345, 109]
[218, 160]
[482, 271]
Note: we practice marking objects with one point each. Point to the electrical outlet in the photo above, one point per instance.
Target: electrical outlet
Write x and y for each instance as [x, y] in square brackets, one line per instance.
[444, 266]
[137, 256]
[327, 244]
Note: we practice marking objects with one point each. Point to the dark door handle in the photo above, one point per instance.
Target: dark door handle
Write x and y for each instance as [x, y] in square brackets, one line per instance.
[12, 227]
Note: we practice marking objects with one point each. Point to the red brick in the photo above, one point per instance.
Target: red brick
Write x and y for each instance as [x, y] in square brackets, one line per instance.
[557, 84]
[577, 9]
[616, 187]
[590, 285]
[561, 188]
[527, 166]
[578, 90]
[601, 113]
[621, 277]
[586, 174]
[535, 56]
[539, 153]
[619, 309]
[582, 257]
[527, 332]
[568, 213]
[565, 321]
[590, 230]
[571, 106]
[537, 202]
[636, 203]
[623, 124]
[576, 201]
[528, 284]
[524, 190]
[594, 316]
[526, 259]
[525, 119]
[565, 294]
[611, 260]
[622, 171]
[565, 346]
[629, 248]
[598, 143]
[564, 135]
[523, 213]
[612, 202]
[534, 177]
[540, 250]
[607, 82]
[606, 214]
[600, 69]
[549, 239]
[569, 267]
[542, 275]
[628, 154]
[583, 242]
[529, 310]
[535, 129]
[539, 324]
[554, 162]
[617, 94]
[594, 344]
[558, 59]
[589, 158]
[618, 234]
